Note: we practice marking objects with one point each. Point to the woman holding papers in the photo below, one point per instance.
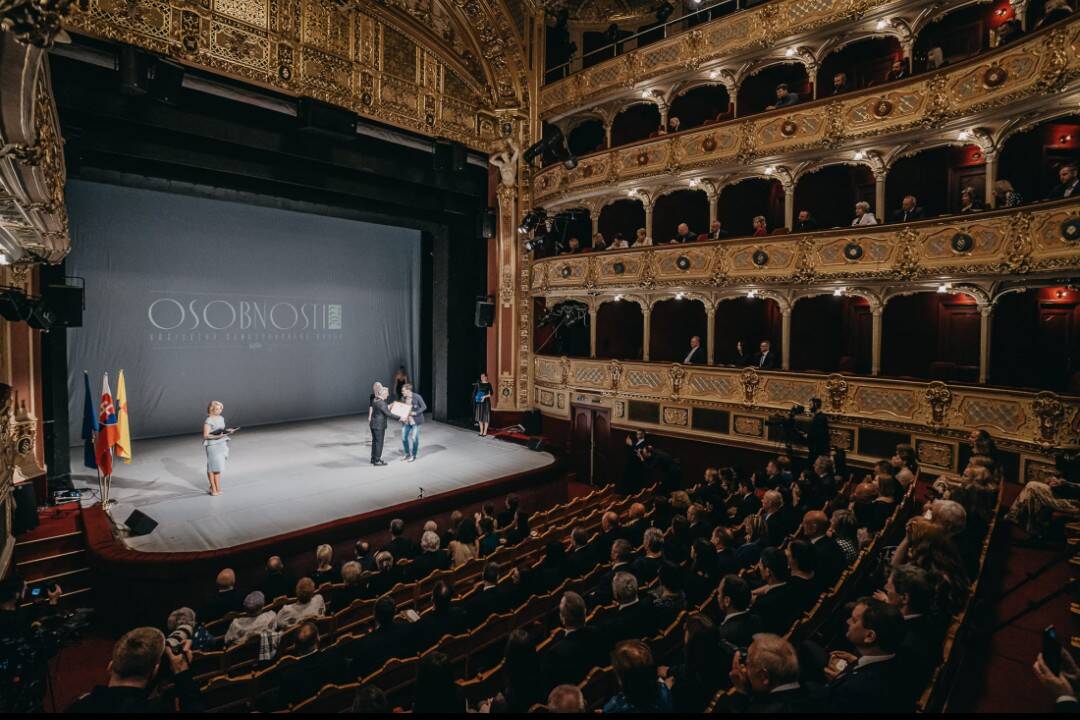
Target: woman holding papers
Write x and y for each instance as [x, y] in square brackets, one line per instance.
[216, 441]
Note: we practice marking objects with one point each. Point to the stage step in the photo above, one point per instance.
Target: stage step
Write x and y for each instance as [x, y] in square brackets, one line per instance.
[45, 547]
[56, 552]
[51, 564]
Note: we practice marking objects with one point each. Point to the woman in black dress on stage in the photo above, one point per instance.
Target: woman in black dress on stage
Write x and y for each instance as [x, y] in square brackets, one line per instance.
[401, 378]
[482, 403]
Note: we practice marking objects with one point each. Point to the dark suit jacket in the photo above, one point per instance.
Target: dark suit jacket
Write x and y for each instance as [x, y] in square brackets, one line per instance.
[688, 237]
[780, 524]
[1059, 190]
[808, 226]
[769, 362]
[634, 621]
[831, 562]
[298, 682]
[370, 651]
[382, 582]
[569, 659]
[401, 547]
[580, 561]
[871, 689]
[224, 603]
[634, 533]
[778, 608]
[419, 407]
[740, 630]
[796, 700]
[916, 213]
[379, 414]
[430, 628]
[602, 594]
[646, 568]
[747, 505]
[426, 562]
[699, 356]
[487, 602]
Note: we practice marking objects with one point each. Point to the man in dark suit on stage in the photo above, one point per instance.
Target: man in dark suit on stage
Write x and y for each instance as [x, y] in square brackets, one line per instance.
[766, 358]
[696, 356]
[377, 422]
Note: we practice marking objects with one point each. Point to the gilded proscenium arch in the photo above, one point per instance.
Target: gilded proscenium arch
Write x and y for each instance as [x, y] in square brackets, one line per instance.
[1028, 422]
[1036, 68]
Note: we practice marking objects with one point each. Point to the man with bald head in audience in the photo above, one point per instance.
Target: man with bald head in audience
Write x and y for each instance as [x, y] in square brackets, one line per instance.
[830, 558]
[227, 599]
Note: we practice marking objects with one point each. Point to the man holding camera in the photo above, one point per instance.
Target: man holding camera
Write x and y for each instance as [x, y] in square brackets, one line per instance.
[136, 660]
[28, 638]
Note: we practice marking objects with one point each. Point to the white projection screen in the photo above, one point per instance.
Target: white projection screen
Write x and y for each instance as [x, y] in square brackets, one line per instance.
[280, 315]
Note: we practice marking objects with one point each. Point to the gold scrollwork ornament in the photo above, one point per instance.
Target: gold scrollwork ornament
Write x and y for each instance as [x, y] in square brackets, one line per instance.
[939, 396]
[676, 375]
[750, 382]
[1050, 412]
[836, 388]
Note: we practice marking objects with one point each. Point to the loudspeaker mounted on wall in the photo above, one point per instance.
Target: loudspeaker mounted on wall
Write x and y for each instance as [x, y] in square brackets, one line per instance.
[485, 313]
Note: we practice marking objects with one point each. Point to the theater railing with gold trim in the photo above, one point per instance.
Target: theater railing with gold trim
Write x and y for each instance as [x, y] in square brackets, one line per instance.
[671, 397]
[1039, 66]
[756, 28]
[1039, 239]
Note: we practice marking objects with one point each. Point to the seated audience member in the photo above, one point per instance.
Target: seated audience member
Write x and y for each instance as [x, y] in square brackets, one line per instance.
[802, 563]
[573, 247]
[765, 358]
[133, 668]
[619, 242]
[669, 597]
[888, 498]
[683, 234]
[862, 505]
[646, 568]
[226, 600]
[704, 574]
[908, 589]
[352, 577]
[804, 222]
[444, 618]
[898, 70]
[1034, 507]
[325, 572]
[451, 529]
[389, 637]
[698, 517]
[546, 575]
[1005, 196]
[696, 355]
[463, 547]
[829, 558]
[634, 530]
[775, 602]
[201, 639]
[641, 238]
[1053, 11]
[1069, 185]
[873, 679]
[566, 699]
[598, 242]
[738, 625]
[767, 679]
[757, 539]
[761, 226]
[634, 618]
[387, 574]
[277, 582]
[716, 231]
[909, 211]
[302, 680]
[435, 690]
[928, 545]
[968, 201]
[840, 84]
[1009, 31]
[779, 520]
[863, 216]
[581, 558]
[430, 559]
[747, 502]
[489, 538]
[309, 604]
[622, 558]
[519, 528]
[673, 125]
[370, 700]
[363, 555]
[784, 97]
[252, 623]
[490, 598]
[506, 517]
[523, 684]
[935, 58]
[640, 690]
[580, 648]
[905, 464]
[696, 679]
[1064, 686]
[401, 547]
[844, 530]
[610, 531]
[723, 542]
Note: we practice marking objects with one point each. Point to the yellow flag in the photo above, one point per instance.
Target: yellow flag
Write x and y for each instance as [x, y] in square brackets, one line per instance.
[123, 443]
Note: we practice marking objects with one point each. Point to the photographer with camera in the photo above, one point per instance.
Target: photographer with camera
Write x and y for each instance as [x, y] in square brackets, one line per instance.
[136, 661]
[28, 639]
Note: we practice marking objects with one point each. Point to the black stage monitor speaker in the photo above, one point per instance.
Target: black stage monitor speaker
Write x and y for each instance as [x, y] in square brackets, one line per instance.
[139, 523]
[41, 315]
[25, 517]
[134, 75]
[13, 306]
[485, 313]
[487, 227]
[67, 302]
[324, 118]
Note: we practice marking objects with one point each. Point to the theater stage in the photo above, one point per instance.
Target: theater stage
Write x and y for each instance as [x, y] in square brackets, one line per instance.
[284, 478]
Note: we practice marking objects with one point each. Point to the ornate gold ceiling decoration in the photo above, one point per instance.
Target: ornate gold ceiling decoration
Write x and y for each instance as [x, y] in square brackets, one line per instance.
[437, 67]
[592, 12]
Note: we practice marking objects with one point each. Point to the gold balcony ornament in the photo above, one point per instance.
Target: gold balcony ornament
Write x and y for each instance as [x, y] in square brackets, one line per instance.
[760, 257]
[883, 108]
[750, 382]
[29, 155]
[789, 128]
[676, 374]
[564, 370]
[36, 22]
[836, 389]
[1050, 411]
[853, 252]
[683, 263]
[995, 76]
[1070, 229]
[615, 371]
[962, 243]
[940, 397]
[709, 143]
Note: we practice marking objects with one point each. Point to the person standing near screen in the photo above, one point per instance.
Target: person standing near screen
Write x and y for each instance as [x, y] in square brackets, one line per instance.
[482, 403]
[216, 441]
[377, 417]
[410, 431]
[401, 379]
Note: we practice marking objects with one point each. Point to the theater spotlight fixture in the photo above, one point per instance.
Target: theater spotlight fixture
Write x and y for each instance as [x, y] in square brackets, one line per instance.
[531, 221]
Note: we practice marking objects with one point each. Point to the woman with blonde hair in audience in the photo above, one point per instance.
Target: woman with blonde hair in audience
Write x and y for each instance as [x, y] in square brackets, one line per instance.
[641, 238]
[930, 547]
[463, 547]
[761, 226]
[863, 216]
[843, 529]
[325, 572]
[757, 534]
[1005, 196]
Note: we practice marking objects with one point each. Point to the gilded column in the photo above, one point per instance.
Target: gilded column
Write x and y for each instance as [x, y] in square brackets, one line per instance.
[710, 333]
[789, 205]
[592, 328]
[785, 337]
[986, 315]
[714, 204]
[991, 177]
[879, 194]
[875, 339]
[510, 264]
[647, 315]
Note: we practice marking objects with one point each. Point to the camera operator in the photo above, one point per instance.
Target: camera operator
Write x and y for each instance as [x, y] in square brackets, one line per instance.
[25, 645]
[136, 661]
[817, 437]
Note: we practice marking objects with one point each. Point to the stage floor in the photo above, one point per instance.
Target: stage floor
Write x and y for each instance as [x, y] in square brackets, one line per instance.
[284, 478]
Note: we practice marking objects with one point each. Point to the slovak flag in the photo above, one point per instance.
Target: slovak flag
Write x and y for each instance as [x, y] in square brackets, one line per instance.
[108, 431]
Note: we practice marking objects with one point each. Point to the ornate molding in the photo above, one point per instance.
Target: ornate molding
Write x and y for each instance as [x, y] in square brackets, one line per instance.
[36, 22]
[1032, 422]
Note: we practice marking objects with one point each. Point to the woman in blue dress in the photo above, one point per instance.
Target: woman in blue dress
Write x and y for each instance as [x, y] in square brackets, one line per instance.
[216, 442]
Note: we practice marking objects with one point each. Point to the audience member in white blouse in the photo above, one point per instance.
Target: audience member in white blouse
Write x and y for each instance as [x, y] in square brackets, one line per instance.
[309, 604]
